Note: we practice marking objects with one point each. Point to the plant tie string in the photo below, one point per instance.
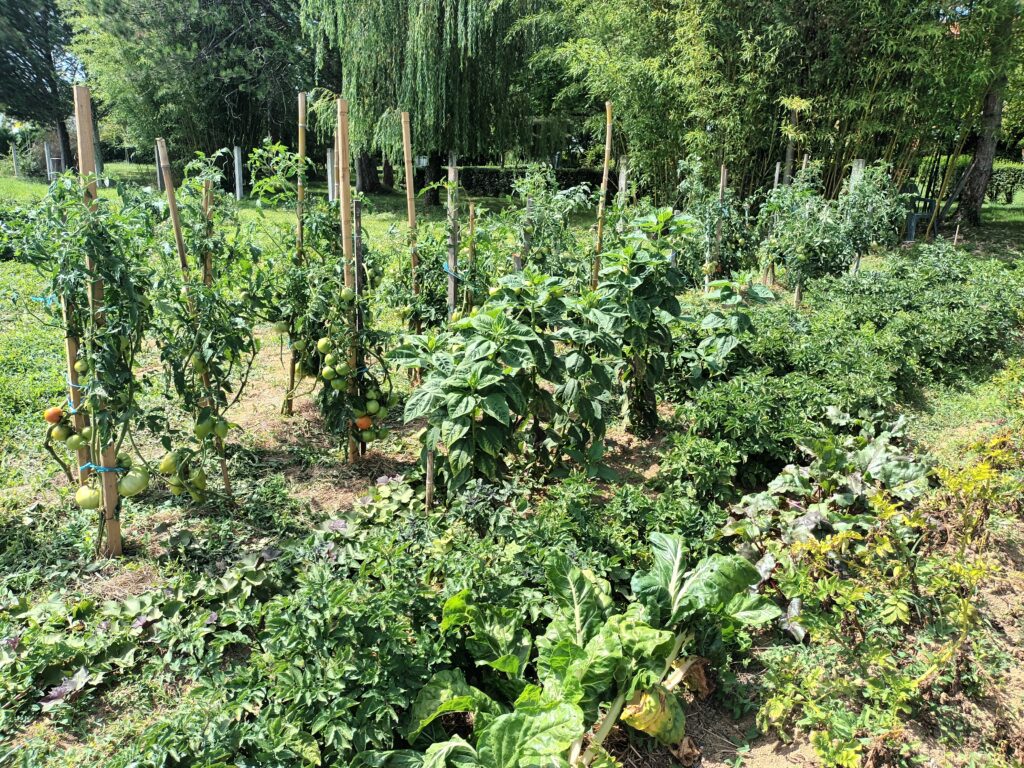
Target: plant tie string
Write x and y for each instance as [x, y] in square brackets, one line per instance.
[456, 275]
[97, 468]
[47, 300]
[72, 384]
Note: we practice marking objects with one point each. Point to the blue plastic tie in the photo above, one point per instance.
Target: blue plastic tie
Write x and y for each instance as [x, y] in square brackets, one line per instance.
[73, 386]
[47, 300]
[97, 468]
[71, 407]
[456, 275]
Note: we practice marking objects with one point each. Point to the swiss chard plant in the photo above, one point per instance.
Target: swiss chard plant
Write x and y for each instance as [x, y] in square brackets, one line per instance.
[554, 697]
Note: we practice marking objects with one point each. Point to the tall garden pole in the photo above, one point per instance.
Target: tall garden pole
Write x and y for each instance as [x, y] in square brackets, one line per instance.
[331, 193]
[778, 169]
[713, 265]
[108, 453]
[300, 196]
[453, 232]
[523, 254]
[236, 153]
[471, 266]
[208, 214]
[14, 158]
[156, 162]
[179, 245]
[345, 192]
[410, 207]
[807, 161]
[604, 192]
[623, 181]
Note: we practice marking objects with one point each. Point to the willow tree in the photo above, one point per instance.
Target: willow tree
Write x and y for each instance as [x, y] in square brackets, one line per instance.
[455, 65]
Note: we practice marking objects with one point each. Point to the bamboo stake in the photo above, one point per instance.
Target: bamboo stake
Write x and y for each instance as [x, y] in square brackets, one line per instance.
[108, 454]
[300, 196]
[345, 212]
[778, 169]
[453, 232]
[410, 205]
[518, 257]
[208, 213]
[468, 300]
[359, 275]
[429, 489]
[179, 242]
[710, 266]
[604, 193]
[956, 235]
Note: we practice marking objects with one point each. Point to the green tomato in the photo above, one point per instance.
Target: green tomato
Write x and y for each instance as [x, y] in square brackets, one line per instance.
[372, 406]
[124, 461]
[338, 384]
[198, 364]
[74, 442]
[86, 434]
[82, 365]
[367, 435]
[220, 428]
[281, 326]
[330, 359]
[382, 433]
[203, 428]
[198, 480]
[347, 294]
[324, 345]
[60, 433]
[299, 345]
[168, 464]
[88, 497]
[373, 394]
[133, 483]
[343, 369]
[382, 413]
[329, 373]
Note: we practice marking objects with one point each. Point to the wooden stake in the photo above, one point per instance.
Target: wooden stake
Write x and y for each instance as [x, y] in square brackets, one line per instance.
[453, 232]
[807, 161]
[331, 165]
[14, 158]
[956, 235]
[723, 177]
[237, 154]
[623, 180]
[429, 490]
[108, 453]
[300, 196]
[522, 255]
[359, 273]
[179, 243]
[468, 300]
[604, 193]
[410, 204]
[778, 169]
[345, 212]
[208, 213]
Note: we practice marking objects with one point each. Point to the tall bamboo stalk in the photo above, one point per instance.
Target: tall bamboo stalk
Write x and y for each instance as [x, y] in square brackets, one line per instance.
[300, 197]
[471, 266]
[108, 452]
[453, 232]
[604, 193]
[345, 212]
[179, 242]
[410, 205]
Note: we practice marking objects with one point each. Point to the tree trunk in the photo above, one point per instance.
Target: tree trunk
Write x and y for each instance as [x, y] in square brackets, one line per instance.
[434, 164]
[388, 175]
[65, 143]
[366, 173]
[973, 194]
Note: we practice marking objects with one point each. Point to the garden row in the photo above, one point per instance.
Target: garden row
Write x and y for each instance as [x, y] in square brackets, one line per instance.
[788, 509]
